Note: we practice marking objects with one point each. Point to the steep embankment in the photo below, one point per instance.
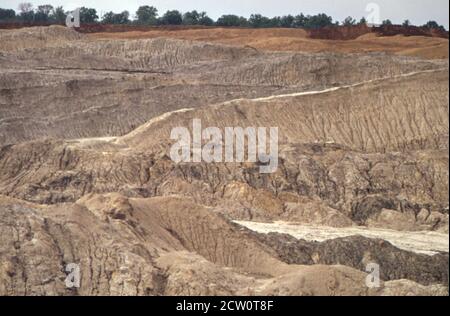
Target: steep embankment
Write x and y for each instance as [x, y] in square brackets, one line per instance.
[298, 40]
[393, 114]
[123, 84]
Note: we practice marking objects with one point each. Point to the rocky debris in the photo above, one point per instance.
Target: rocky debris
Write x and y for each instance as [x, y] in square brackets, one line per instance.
[358, 252]
[409, 288]
[420, 242]
[155, 251]
[406, 216]
[409, 221]
[37, 244]
[329, 185]
[315, 213]
[391, 219]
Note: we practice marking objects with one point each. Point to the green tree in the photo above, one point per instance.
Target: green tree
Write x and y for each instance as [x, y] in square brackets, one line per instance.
[434, 25]
[257, 20]
[349, 21]
[26, 12]
[122, 17]
[231, 20]
[147, 15]
[7, 14]
[274, 22]
[318, 21]
[300, 20]
[43, 13]
[58, 15]
[204, 19]
[116, 18]
[406, 23]
[362, 21]
[108, 18]
[191, 18]
[431, 25]
[197, 18]
[172, 17]
[386, 22]
[287, 21]
[88, 15]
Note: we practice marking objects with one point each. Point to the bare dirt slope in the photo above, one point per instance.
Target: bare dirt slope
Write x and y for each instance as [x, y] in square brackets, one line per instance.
[57, 83]
[141, 247]
[86, 177]
[357, 161]
[299, 41]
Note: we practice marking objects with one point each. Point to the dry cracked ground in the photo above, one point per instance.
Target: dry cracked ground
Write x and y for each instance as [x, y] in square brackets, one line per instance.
[86, 176]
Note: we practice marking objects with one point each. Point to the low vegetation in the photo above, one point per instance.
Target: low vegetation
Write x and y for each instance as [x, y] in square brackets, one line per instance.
[148, 15]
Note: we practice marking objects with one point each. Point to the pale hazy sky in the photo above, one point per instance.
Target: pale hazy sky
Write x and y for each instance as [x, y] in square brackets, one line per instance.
[417, 11]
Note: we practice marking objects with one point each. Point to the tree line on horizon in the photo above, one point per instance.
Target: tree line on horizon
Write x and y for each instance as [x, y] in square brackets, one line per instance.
[148, 15]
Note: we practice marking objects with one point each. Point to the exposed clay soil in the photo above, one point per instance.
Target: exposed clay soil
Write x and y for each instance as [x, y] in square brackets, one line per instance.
[86, 176]
[430, 47]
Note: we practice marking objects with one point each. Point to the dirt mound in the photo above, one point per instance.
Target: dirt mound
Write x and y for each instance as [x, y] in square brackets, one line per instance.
[36, 37]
